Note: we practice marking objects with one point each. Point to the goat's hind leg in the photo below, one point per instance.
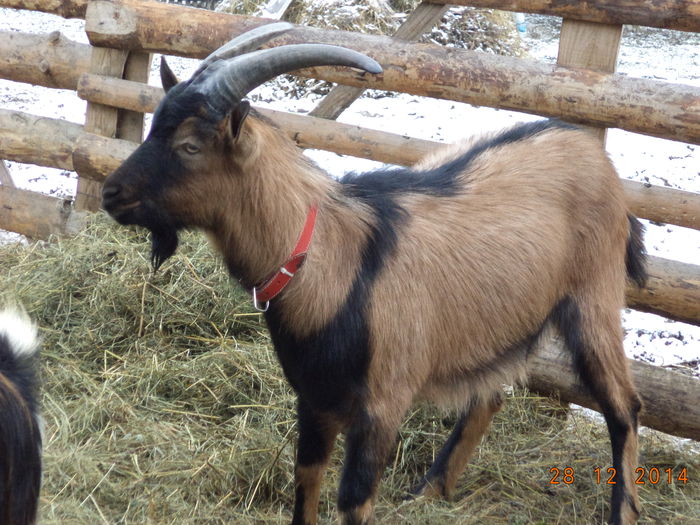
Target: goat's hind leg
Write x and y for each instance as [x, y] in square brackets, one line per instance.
[442, 477]
[594, 335]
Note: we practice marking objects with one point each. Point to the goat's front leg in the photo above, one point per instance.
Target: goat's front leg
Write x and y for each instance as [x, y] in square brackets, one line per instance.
[368, 444]
[317, 433]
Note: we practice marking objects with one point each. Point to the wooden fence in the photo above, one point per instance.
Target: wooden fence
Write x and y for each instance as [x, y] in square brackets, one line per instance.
[582, 87]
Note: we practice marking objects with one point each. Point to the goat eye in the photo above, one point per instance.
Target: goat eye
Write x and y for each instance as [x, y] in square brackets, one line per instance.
[190, 148]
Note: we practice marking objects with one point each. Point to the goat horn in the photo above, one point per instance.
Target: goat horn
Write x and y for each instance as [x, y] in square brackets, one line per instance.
[230, 81]
[244, 43]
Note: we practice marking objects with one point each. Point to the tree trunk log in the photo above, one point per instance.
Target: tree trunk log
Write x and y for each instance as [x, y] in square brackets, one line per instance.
[670, 399]
[44, 60]
[602, 99]
[37, 140]
[64, 8]
[95, 157]
[683, 15]
[36, 215]
[672, 285]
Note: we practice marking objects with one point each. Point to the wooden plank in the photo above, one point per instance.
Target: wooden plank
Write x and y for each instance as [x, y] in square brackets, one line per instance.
[5, 176]
[49, 60]
[592, 46]
[130, 123]
[101, 120]
[578, 95]
[670, 399]
[64, 8]
[421, 20]
[652, 202]
[683, 15]
[36, 215]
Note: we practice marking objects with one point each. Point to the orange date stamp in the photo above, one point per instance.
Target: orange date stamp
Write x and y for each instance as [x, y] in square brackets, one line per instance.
[643, 475]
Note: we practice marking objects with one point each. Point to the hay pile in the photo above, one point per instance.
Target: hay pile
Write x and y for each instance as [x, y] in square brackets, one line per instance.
[164, 404]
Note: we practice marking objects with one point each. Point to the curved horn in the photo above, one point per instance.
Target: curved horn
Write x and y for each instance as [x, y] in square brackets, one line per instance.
[233, 79]
[244, 43]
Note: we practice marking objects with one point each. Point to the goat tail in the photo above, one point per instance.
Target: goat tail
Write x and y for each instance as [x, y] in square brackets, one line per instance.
[636, 256]
[20, 423]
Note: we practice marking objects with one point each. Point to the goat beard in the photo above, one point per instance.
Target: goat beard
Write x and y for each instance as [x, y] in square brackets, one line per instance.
[164, 241]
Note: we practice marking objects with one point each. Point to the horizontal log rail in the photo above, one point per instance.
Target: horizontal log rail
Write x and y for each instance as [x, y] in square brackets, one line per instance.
[650, 202]
[38, 140]
[673, 289]
[683, 15]
[36, 215]
[64, 8]
[49, 60]
[607, 100]
[669, 398]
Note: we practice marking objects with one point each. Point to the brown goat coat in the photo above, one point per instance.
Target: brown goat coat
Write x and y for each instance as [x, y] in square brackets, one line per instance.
[473, 275]
[470, 261]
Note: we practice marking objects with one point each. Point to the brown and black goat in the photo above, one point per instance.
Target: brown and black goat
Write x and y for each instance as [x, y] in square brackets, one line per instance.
[20, 425]
[427, 283]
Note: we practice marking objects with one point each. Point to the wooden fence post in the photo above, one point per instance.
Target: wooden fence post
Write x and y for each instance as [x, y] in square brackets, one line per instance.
[592, 46]
[100, 120]
[106, 120]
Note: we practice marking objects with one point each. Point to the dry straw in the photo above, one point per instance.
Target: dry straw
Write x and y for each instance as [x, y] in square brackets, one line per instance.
[165, 404]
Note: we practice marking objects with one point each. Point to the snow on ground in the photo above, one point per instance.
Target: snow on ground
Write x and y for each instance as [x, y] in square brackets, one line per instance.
[663, 55]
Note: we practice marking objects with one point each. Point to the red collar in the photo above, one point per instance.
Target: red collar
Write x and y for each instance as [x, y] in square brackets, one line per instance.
[273, 285]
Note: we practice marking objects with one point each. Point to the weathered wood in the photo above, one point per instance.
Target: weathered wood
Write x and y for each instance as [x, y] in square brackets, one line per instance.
[591, 46]
[95, 157]
[670, 399]
[37, 140]
[683, 15]
[579, 95]
[50, 60]
[673, 290]
[422, 19]
[101, 120]
[652, 202]
[130, 123]
[660, 204]
[36, 215]
[64, 8]
[5, 176]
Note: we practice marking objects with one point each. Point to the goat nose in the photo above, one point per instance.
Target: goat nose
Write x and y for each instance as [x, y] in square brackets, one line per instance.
[110, 191]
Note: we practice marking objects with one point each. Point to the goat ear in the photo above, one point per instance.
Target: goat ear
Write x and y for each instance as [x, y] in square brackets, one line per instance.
[167, 77]
[237, 117]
